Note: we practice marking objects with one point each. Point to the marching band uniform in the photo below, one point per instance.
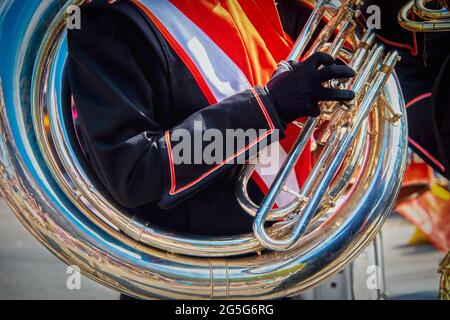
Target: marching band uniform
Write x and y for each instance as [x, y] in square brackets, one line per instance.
[423, 74]
[441, 105]
[139, 70]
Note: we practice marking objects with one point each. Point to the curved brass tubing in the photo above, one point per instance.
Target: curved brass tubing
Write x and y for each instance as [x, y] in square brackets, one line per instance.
[430, 20]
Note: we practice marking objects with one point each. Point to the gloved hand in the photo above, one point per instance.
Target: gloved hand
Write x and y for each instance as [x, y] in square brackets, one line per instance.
[296, 87]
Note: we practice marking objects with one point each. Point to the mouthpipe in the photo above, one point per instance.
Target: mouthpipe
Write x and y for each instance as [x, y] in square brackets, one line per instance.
[269, 200]
[277, 185]
[308, 30]
[347, 26]
[359, 58]
[364, 109]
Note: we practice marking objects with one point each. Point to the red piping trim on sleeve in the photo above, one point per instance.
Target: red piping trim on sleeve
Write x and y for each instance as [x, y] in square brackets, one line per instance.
[173, 182]
[174, 190]
[417, 145]
[418, 98]
[263, 109]
[427, 154]
[412, 49]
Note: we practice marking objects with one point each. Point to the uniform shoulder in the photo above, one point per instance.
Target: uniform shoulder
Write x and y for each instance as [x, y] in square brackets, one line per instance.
[105, 4]
[119, 8]
[120, 19]
[108, 12]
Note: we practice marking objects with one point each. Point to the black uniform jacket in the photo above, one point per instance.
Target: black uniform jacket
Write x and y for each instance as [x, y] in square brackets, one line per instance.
[441, 114]
[129, 88]
[424, 69]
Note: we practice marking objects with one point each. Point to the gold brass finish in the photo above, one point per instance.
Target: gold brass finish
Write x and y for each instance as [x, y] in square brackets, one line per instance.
[427, 19]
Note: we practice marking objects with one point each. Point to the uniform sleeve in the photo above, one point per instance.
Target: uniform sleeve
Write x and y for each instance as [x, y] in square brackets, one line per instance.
[134, 155]
[441, 114]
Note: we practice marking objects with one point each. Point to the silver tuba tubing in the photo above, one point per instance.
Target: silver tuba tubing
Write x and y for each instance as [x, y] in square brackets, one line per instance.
[308, 200]
[45, 184]
[428, 19]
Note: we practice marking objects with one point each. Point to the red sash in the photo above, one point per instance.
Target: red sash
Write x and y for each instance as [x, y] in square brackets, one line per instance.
[242, 37]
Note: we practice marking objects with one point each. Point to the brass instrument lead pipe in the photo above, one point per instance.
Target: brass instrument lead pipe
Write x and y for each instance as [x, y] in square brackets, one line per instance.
[347, 26]
[296, 53]
[357, 64]
[368, 39]
[367, 103]
[266, 207]
[308, 30]
[364, 74]
[366, 71]
[327, 32]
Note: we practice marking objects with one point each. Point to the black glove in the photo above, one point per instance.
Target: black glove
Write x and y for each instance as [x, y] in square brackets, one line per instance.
[296, 87]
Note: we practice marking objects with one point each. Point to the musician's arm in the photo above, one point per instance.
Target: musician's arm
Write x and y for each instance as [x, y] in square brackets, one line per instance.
[128, 147]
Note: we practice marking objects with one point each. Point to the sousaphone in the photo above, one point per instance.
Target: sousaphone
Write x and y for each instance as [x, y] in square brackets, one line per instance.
[353, 185]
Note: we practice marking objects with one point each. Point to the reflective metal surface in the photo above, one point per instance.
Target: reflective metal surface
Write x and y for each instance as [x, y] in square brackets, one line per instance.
[47, 187]
[429, 19]
[444, 269]
[344, 125]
